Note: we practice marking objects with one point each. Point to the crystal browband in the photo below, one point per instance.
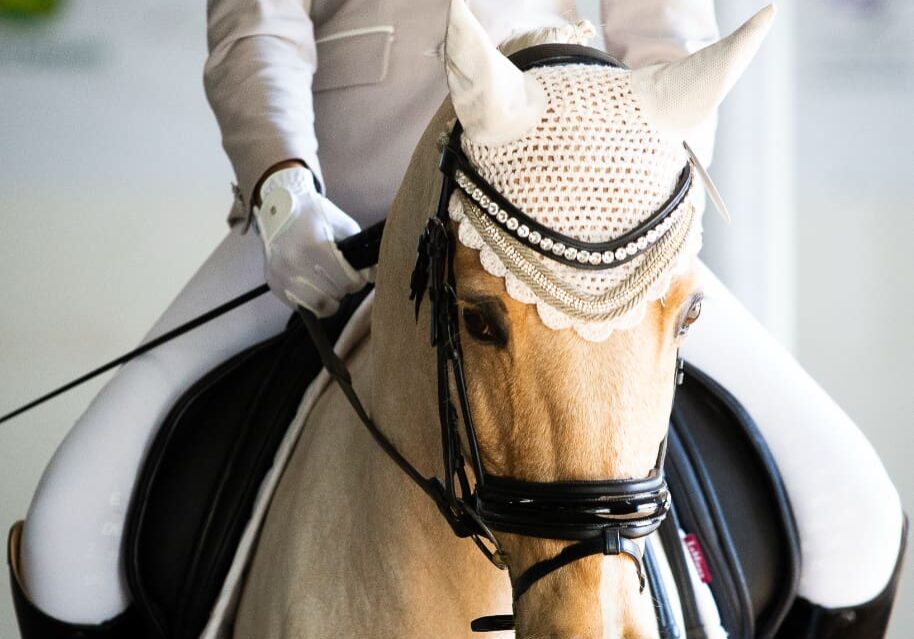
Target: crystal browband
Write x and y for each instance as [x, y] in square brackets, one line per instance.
[559, 247]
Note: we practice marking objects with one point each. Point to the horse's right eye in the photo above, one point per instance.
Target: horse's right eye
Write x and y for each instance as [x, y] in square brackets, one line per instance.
[481, 327]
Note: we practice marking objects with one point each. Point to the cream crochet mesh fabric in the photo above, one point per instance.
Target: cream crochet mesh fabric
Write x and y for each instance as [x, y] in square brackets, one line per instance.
[593, 169]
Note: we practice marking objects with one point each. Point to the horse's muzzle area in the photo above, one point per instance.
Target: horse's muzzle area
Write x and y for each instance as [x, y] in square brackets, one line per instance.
[595, 598]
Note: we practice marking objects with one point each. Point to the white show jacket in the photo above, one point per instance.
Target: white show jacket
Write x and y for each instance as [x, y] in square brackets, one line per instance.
[348, 86]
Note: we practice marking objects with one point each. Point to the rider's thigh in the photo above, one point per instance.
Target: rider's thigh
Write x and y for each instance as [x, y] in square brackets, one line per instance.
[847, 509]
[71, 545]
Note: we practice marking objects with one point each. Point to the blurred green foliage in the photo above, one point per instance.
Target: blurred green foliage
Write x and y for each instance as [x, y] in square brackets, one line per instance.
[24, 9]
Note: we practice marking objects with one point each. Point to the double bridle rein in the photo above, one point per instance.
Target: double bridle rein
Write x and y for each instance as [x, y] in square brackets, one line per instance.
[599, 517]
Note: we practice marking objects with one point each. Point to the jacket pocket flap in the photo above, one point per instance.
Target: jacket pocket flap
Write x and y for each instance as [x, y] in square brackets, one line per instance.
[353, 57]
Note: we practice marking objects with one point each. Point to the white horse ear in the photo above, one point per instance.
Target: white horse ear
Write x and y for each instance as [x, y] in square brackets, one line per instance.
[680, 95]
[494, 100]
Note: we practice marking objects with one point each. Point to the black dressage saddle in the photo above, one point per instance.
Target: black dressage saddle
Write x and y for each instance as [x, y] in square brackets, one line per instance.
[198, 485]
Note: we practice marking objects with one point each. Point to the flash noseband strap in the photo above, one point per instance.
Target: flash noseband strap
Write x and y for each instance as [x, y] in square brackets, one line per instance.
[609, 542]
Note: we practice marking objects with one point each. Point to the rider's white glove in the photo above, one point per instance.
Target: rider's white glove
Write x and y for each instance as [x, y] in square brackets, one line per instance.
[299, 228]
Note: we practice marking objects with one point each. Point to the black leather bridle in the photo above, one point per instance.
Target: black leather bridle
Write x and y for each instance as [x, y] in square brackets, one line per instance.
[599, 517]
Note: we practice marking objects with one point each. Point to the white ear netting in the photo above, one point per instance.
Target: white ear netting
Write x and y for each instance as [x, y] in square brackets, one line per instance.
[592, 169]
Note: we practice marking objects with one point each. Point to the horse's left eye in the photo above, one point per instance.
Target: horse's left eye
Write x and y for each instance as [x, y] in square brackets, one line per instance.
[691, 316]
[481, 327]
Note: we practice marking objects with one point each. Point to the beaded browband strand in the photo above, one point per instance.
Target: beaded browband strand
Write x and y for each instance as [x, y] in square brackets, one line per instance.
[557, 246]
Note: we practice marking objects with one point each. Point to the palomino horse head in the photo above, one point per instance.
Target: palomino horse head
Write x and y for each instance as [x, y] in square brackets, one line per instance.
[558, 393]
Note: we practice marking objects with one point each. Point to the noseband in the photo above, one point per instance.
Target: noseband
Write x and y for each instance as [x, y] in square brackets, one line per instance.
[602, 517]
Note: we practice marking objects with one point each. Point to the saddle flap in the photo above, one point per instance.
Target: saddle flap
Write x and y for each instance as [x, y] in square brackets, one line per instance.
[199, 482]
[729, 494]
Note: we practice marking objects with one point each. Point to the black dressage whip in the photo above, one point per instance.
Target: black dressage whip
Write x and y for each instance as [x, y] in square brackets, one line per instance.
[208, 316]
[360, 250]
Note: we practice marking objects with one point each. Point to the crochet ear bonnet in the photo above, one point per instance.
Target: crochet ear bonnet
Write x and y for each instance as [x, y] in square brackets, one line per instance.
[591, 153]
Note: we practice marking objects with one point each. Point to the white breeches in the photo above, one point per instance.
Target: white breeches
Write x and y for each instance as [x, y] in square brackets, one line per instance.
[847, 510]
[72, 538]
[71, 544]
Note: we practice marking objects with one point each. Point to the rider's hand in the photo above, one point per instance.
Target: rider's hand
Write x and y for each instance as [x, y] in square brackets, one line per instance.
[299, 228]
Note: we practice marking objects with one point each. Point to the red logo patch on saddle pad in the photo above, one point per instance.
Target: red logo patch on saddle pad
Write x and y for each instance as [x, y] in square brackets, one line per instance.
[698, 557]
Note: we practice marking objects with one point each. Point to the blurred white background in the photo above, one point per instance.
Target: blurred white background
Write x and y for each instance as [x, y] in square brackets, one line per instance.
[114, 188]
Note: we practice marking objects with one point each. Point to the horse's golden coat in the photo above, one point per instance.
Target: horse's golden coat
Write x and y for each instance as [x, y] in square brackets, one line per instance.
[351, 548]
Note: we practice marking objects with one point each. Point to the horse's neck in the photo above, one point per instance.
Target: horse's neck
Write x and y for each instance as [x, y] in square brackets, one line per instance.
[351, 547]
[442, 581]
[404, 399]
[424, 571]
[426, 574]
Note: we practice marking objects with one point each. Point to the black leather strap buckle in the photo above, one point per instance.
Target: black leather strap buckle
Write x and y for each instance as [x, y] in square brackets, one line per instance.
[612, 541]
[450, 154]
